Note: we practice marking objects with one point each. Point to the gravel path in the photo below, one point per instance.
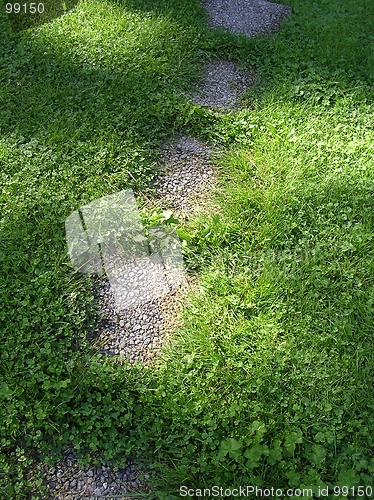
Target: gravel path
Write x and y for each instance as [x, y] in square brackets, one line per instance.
[222, 85]
[246, 17]
[67, 481]
[188, 174]
[138, 333]
[135, 334]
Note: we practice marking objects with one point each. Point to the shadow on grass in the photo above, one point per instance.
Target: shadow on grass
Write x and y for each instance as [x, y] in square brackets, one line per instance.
[182, 12]
[26, 15]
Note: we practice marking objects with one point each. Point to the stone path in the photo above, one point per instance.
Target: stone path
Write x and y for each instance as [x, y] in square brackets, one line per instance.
[138, 333]
[187, 174]
[246, 17]
[67, 481]
[222, 85]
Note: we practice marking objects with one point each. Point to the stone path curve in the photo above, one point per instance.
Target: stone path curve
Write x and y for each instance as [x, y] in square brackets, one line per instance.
[188, 176]
[246, 17]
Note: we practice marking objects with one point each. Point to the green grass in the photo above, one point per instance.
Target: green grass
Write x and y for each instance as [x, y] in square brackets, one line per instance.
[271, 381]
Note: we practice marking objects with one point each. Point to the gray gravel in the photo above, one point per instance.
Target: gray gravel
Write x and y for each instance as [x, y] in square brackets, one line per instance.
[136, 333]
[187, 175]
[222, 85]
[246, 17]
[67, 481]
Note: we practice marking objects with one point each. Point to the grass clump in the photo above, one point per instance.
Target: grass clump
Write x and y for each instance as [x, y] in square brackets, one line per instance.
[269, 382]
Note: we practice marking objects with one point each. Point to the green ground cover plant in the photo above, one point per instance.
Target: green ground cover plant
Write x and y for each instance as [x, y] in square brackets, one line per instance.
[270, 381]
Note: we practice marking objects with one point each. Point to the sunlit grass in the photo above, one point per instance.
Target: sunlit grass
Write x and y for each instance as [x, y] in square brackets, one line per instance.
[24, 15]
[269, 382]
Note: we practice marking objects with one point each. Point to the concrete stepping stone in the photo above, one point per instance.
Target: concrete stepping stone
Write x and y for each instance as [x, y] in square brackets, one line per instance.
[187, 174]
[246, 17]
[138, 333]
[222, 85]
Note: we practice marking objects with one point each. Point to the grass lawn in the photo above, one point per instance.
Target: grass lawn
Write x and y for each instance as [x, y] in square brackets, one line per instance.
[270, 382]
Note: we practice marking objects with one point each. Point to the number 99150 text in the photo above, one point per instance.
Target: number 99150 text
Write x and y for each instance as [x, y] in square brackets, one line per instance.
[31, 8]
